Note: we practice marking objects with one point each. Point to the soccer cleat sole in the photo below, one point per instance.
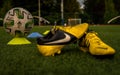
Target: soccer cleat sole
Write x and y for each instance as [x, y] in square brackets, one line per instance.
[50, 50]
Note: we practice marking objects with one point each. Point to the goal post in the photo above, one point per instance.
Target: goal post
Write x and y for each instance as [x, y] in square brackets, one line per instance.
[74, 21]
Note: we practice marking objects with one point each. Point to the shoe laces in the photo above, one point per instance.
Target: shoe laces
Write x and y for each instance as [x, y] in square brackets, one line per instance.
[91, 37]
[54, 29]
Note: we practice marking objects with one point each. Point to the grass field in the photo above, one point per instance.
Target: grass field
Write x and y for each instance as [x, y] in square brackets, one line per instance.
[26, 59]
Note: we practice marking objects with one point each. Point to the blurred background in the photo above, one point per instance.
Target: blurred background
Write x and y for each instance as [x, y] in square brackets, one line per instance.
[60, 11]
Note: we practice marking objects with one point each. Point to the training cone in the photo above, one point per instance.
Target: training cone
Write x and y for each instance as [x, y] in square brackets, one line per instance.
[34, 35]
[18, 41]
[46, 32]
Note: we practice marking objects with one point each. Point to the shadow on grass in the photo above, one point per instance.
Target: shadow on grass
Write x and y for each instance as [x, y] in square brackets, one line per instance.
[104, 56]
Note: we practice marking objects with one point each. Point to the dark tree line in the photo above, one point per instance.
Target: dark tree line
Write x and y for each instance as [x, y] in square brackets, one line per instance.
[101, 11]
[50, 9]
[95, 11]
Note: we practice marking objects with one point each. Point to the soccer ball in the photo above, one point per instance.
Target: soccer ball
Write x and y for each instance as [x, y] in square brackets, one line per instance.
[18, 20]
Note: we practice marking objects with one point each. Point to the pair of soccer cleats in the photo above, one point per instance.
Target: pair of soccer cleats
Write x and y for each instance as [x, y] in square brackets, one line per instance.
[58, 37]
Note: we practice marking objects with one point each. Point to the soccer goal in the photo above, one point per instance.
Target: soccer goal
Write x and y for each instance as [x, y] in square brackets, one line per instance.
[74, 21]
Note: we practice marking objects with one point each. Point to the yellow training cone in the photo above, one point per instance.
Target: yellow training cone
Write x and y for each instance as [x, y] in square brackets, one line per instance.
[46, 32]
[18, 41]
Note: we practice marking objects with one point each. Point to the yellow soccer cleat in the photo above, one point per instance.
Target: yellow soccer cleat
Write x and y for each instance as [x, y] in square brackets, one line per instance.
[77, 30]
[53, 43]
[57, 38]
[93, 44]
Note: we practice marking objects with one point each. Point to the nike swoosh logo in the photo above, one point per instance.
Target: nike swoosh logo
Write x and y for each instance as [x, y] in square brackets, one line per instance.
[66, 39]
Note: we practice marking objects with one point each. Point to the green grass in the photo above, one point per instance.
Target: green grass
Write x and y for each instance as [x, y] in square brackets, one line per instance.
[26, 59]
